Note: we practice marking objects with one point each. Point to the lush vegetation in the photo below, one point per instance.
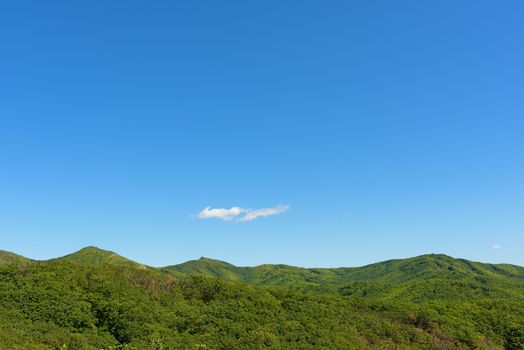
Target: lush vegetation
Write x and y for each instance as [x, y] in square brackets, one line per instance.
[392, 271]
[94, 299]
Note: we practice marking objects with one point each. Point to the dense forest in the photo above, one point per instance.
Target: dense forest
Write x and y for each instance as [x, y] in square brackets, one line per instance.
[96, 299]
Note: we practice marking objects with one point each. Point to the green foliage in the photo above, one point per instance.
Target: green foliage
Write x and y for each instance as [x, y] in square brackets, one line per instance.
[95, 299]
[393, 271]
[7, 258]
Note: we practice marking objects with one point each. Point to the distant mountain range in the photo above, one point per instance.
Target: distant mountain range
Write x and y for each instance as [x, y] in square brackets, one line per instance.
[428, 266]
[392, 271]
[97, 299]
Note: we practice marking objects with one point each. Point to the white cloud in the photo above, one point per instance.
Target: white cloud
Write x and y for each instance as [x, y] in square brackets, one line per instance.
[236, 212]
[220, 213]
[263, 212]
[496, 246]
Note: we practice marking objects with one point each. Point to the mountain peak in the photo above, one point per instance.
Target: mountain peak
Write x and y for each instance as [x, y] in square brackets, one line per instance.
[95, 255]
[92, 250]
[86, 248]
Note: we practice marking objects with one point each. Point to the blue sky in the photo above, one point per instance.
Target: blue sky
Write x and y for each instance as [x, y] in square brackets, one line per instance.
[370, 129]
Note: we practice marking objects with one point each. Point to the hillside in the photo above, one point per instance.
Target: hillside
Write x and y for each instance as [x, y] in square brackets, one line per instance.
[96, 299]
[392, 271]
[97, 256]
[12, 258]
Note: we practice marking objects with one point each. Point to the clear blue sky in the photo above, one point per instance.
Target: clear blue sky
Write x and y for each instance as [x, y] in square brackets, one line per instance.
[391, 129]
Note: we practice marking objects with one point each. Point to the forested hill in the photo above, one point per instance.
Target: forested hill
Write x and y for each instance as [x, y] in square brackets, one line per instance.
[97, 299]
[12, 258]
[392, 271]
[431, 266]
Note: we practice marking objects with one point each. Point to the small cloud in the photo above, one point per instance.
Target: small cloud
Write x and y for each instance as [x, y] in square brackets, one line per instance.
[220, 213]
[263, 212]
[235, 212]
[496, 246]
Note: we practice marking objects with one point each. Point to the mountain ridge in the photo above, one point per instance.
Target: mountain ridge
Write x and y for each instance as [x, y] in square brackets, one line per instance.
[7, 257]
[91, 249]
[427, 266]
[395, 270]
[96, 299]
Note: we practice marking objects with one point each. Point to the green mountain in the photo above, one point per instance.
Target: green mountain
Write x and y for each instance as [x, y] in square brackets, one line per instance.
[392, 271]
[97, 256]
[12, 258]
[96, 299]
